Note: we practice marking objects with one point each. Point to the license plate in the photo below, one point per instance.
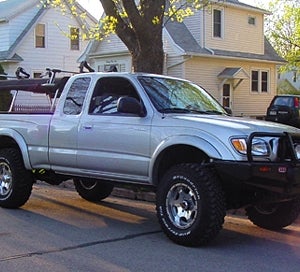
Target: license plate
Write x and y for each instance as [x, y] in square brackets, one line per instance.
[273, 112]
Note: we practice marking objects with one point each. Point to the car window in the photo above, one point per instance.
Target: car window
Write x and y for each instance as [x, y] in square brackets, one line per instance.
[173, 95]
[76, 94]
[107, 92]
[284, 101]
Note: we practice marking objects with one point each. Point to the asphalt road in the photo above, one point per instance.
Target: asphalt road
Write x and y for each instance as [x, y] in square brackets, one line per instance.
[58, 231]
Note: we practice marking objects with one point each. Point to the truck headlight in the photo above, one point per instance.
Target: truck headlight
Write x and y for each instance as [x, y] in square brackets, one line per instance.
[297, 150]
[260, 147]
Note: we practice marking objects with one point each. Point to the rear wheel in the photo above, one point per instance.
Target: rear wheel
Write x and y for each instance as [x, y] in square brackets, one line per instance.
[190, 204]
[274, 216]
[15, 181]
[93, 190]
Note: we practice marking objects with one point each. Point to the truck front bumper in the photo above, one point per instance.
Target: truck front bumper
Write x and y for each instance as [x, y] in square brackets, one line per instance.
[279, 173]
[282, 178]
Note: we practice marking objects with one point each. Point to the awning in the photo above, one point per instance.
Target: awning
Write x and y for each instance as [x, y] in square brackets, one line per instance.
[232, 73]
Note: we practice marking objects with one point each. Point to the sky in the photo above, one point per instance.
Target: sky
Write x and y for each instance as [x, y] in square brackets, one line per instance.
[94, 6]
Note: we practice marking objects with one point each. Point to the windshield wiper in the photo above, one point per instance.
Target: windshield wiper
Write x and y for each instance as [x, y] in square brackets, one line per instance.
[174, 110]
[214, 112]
[183, 110]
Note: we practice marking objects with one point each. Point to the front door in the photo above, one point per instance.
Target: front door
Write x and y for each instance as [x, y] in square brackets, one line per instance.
[113, 145]
[226, 96]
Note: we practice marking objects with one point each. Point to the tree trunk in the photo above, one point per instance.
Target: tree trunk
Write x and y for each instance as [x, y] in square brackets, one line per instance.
[148, 56]
[141, 32]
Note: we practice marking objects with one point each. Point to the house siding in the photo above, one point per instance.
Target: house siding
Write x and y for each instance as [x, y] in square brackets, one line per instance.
[16, 24]
[204, 71]
[238, 35]
[4, 36]
[111, 44]
[57, 52]
[195, 24]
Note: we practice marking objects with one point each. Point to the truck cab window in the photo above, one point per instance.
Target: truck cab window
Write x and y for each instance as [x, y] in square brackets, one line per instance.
[107, 92]
[75, 97]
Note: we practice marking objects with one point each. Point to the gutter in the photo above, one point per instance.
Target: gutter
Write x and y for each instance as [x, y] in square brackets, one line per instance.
[180, 62]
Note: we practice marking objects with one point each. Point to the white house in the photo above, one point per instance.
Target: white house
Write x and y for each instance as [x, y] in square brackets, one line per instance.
[35, 37]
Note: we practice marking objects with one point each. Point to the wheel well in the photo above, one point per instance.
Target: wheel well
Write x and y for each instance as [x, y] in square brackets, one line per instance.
[175, 155]
[8, 142]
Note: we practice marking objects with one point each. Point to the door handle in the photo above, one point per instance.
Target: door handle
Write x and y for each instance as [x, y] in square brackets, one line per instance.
[88, 127]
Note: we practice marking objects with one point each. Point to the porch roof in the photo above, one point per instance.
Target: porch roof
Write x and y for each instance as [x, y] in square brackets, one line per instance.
[233, 73]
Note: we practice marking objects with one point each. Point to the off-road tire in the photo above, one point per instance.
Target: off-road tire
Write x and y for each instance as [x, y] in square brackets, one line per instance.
[93, 190]
[15, 181]
[274, 216]
[190, 204]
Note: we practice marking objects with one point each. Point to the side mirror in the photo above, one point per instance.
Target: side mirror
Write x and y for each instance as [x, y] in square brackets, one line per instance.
[130, 105]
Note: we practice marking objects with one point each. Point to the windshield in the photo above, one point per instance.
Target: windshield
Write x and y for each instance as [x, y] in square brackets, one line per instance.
[174, 95]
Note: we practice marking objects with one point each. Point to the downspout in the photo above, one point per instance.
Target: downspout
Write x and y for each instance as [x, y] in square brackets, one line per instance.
[204, 33]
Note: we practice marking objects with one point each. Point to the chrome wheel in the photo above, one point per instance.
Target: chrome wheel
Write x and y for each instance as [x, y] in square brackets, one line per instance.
[5, 179]
[93, 190]
[181, 203]
[190, 204]
[88, 184]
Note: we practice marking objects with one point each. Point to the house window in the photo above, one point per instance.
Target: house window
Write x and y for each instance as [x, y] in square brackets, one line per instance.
[40, 36]
[74, 36]
[37, 75]
[259, 81]
[251, 20]
[217, 23]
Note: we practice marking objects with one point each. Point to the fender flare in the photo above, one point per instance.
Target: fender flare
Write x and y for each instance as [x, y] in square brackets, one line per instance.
[211, 147]
[18, 138]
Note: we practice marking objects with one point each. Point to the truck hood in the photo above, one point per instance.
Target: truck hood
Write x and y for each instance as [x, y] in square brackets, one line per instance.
[236, 125]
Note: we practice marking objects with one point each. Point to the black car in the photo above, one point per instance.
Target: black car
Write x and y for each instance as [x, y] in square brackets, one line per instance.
[284, 109]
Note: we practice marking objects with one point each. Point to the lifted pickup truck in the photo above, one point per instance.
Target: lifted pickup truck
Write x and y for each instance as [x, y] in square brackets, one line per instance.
[150, 130]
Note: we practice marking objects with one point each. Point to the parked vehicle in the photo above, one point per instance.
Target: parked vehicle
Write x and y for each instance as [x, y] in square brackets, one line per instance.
[157, 131]
[285, 109]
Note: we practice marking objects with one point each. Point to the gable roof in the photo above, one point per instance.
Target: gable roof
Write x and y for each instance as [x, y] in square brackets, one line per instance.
[11, 8]
[10, 55]
[184, 39]
[241, 5]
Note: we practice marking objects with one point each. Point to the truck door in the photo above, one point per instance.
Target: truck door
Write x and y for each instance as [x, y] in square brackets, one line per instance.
[64, 127]
[112, 144]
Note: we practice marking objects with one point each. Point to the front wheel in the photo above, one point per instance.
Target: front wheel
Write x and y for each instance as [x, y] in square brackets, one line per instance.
[93, 190]
[190, 204]
[15, 181]
[274, 216]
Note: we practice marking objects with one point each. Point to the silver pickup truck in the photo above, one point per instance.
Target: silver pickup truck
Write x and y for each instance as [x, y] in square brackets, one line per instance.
[155, 132]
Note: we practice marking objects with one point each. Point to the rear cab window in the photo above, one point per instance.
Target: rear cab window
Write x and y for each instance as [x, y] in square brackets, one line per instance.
[76, 95]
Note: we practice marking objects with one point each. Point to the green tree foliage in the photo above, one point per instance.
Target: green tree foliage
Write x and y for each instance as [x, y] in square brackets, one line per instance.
[283, 30]
[5, 96]
[139, 26]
